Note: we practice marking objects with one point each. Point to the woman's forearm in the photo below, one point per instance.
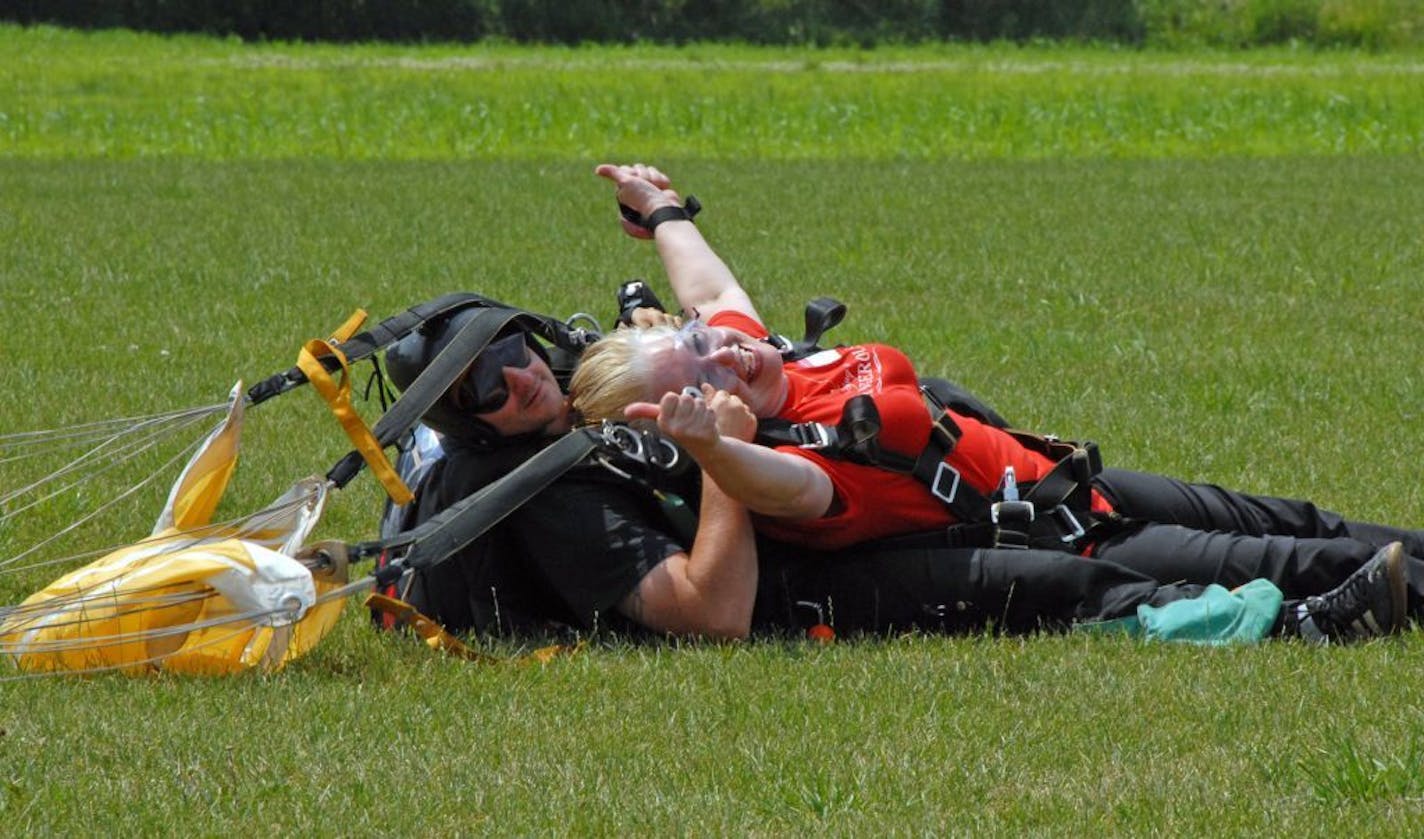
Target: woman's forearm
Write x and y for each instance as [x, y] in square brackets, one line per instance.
[701, 281]
[767, 481]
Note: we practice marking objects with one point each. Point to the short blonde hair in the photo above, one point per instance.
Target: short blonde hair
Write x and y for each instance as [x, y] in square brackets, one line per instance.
[616, 372]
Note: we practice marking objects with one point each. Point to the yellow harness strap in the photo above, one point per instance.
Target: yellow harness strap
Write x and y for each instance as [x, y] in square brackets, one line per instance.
[338, 399]
[438, 639]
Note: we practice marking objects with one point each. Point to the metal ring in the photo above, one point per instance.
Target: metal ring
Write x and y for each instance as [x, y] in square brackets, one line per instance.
[623, 438]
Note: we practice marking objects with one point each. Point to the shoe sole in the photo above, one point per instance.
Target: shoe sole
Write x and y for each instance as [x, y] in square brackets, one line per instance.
[1394, 569]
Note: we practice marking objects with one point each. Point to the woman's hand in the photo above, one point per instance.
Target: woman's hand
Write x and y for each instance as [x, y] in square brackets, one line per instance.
[685, 417]
[734, 419]
[699, 421]
[716, 429]
[642, 188]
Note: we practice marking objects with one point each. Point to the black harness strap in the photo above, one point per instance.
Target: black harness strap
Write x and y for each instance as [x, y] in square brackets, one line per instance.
[455, 527]
[433, 381]
[1054, 511]
[445, 369]
[439, 374]
[366, 344]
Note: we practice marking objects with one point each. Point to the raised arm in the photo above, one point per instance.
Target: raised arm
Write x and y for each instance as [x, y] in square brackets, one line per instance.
[699, 278]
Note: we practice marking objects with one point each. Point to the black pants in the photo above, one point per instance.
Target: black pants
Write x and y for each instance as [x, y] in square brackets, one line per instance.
[1182, 537]
[1200, 533]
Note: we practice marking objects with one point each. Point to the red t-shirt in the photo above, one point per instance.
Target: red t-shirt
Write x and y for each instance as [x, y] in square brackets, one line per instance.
[872, 502]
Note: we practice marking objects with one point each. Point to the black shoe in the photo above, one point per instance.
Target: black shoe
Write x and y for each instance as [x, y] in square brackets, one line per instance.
[1369, 603]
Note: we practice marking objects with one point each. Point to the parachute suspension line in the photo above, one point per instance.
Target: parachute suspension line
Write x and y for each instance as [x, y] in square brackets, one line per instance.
[116, 448]
[19, 618]
[242, 622]
[353, 587]
[253, 524]
[74, 525]
[78, 434]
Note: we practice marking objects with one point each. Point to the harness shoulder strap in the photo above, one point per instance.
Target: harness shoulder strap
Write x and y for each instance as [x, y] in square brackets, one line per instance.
[455, 527]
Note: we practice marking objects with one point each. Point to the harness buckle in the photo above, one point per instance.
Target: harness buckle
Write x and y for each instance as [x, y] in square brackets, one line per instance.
[1076, 530]
[937, 485]
[812, 435]
[658, 451]
[1013, 521]
[1020, 513]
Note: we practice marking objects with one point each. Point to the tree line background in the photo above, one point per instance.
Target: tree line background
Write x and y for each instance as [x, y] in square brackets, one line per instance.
[1375, 24]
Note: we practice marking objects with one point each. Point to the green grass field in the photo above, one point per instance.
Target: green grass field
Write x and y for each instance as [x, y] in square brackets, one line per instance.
[1209, 263]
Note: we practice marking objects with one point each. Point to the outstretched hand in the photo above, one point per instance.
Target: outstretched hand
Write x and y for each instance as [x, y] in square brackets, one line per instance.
[641, 187]
[699, 421]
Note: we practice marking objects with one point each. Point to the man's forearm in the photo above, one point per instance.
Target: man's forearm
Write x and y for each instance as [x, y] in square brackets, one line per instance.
[709, 592]
[723, 565]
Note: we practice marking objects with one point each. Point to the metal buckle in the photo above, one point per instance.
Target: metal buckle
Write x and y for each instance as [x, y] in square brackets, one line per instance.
[624, 439]
[670, 456]
[946, 497]
[812, 435]
[629, 443]
[1075, 527]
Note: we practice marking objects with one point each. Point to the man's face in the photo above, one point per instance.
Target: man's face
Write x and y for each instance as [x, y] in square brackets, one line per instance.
[724, 358]
[511, 388]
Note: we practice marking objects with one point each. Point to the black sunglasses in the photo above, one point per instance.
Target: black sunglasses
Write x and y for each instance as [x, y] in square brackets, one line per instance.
[483, 390]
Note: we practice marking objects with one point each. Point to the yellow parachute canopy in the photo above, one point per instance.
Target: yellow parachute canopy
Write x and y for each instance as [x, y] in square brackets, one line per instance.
[194, 597]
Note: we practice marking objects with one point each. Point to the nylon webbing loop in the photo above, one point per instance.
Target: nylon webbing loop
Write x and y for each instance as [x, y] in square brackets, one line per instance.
[338, 398]
[347, 329]
[822, 315]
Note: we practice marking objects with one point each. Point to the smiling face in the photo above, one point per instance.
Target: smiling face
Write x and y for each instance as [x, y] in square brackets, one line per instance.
[513, 390]
[727, 359]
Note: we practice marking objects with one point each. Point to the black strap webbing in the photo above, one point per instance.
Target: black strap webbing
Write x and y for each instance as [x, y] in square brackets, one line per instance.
[822, 315]
[366, 344]
[452, 529]
[1064, 490]
[434, 380]
[442, 371]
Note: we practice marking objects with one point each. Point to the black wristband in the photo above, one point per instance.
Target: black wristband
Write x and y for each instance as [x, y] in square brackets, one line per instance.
[690, 208]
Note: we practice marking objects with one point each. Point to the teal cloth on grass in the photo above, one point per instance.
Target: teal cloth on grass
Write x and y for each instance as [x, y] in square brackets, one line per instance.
[1243, 615]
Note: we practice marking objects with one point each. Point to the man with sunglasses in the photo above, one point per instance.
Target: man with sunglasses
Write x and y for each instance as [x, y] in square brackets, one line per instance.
[511, 389]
